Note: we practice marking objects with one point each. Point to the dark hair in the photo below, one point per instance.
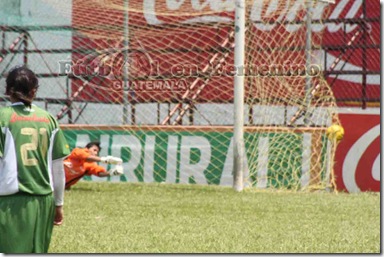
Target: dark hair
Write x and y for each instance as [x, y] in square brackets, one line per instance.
[20, 84]
[90, 144]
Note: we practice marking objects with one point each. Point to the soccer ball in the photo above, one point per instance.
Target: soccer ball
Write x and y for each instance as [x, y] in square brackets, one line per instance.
[335, 132]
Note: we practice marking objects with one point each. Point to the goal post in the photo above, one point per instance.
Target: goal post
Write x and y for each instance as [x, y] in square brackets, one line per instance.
[238, 126]
[239, 84]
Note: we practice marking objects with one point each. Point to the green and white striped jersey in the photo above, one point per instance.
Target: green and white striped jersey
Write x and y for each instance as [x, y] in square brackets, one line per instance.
[30, 139]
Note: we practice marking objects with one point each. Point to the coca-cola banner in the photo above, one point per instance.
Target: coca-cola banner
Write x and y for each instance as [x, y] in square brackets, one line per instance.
[173, 44]
[357, 160]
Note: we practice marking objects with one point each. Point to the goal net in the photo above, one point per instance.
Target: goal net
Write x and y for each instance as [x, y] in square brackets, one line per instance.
[153, 80]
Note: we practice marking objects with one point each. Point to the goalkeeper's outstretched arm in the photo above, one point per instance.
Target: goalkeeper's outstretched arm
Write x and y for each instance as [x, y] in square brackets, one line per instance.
[115, 171]
[107, 159]
[92, 155]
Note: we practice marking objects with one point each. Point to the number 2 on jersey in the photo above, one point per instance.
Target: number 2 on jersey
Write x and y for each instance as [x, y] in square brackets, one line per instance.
[33, 145]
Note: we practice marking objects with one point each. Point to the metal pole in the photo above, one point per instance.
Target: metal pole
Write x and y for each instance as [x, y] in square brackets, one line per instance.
[364, 57]
[125, 63]
[308, 56]
[25, 41]
[238, 128]
[70, 121]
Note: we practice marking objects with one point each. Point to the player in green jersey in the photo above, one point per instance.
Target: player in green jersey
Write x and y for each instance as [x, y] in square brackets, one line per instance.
[32, 149]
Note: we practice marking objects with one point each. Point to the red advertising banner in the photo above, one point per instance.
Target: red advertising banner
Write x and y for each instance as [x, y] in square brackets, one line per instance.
[356, 44]
[357, 166]
[170, 42]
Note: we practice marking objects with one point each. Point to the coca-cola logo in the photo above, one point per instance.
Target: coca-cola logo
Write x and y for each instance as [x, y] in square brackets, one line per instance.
[362, 162]
[191, 11]
[357, 159]
[273, 16]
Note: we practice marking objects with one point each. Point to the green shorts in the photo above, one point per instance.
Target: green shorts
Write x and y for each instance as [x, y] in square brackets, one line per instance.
[26, 223]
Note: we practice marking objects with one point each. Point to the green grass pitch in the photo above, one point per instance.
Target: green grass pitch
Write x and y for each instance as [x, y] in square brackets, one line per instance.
[123, 217]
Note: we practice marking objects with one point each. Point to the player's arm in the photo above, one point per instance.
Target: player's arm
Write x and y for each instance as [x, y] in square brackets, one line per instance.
[2, 143]
[103, 174]
[2, 140]
[111, 160]
[58, 178]
[94, 169]
[83, 154]
[60, 151]
[106, 159]
[115, 171]
[92, 158]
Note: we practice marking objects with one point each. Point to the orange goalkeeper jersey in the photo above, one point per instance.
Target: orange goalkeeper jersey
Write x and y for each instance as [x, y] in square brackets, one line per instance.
[76, 166]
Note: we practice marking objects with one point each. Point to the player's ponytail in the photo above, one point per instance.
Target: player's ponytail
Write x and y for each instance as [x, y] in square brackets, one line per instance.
[22, 84]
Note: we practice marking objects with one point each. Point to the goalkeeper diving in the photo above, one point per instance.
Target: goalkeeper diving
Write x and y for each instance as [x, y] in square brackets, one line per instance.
[82, 162]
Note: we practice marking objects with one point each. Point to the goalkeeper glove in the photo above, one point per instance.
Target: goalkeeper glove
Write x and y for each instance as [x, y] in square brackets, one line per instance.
[111, 160]
[116, 171]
